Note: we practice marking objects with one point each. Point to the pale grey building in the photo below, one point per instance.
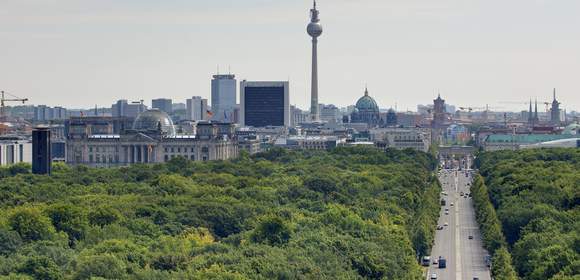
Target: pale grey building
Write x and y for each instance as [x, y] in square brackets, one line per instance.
[223, 97]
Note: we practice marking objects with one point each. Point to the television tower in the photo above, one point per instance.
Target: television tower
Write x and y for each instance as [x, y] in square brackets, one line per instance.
[314, 29]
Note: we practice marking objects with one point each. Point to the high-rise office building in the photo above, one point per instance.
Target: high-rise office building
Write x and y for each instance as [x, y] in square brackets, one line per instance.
[264, 104]
[163, 104]
[223, 97]
[197, 109]
[41, 151]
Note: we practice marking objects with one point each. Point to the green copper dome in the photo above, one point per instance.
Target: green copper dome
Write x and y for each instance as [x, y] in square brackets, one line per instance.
[367, 103]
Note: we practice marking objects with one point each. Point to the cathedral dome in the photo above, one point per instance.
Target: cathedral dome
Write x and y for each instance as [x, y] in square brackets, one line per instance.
[153, 120]
[367, 103]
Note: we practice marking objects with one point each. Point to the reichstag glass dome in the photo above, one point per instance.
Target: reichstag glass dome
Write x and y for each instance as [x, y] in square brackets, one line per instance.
[152, 120]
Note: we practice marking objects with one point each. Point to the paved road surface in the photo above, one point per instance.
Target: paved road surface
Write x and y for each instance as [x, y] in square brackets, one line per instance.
[465, 257]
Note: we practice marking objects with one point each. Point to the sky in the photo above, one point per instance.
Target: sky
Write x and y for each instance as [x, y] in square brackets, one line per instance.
[82, 53]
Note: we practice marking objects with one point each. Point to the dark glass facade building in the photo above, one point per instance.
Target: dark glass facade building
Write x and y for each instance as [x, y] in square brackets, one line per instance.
[265, 104]
[41, 151]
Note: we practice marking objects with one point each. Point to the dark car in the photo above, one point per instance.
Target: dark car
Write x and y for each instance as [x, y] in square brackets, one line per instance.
[470, 237]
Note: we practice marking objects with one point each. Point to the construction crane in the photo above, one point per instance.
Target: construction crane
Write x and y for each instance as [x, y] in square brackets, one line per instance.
[485, 109]
[13, 98]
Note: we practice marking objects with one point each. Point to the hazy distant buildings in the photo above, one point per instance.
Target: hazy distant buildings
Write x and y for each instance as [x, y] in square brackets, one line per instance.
[223, 97]
[391, 118]
[124, 109]
[196, 109]
[163, 104]
[43, 113]
[264, 104]
[330, 113]
[298, 116]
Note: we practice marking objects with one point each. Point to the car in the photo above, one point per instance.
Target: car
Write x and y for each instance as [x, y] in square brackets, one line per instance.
[426, 261]
[446, 224]
[451, 204]
[475, 278]
[434, 276]
[461, 193]
[435, 262]
[439, 227]
[470, 237]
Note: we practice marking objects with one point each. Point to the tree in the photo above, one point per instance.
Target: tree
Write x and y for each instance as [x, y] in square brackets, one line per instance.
[41, 268]
[502, 265]
[106, 266]
[31, 224]
[273, 231]
[70, 219]
[104, 216]
[10, 241]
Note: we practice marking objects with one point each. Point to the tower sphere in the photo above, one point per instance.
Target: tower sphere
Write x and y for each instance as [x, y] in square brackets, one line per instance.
[314, 29]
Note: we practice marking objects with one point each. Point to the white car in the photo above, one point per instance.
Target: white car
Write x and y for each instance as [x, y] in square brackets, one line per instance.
[446, 224]
[433, 276]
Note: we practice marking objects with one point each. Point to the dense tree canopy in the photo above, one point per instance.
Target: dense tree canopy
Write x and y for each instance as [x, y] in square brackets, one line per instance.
[350, 213]
[536, 194]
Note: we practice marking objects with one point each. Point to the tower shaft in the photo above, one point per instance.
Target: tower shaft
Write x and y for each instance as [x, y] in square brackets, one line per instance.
[314, 114]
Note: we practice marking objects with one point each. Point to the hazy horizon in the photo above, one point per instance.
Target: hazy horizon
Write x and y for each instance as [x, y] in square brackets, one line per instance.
[81, 53]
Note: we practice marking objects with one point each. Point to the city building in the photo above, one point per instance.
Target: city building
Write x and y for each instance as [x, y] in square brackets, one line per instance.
[391, 118]
[223, 97]
[14, 149]
[152, 139]
[163, 104]
[124, 109]
[401, 138]
[298, 116]
[366, 111]
[439, 112]
[196, 109]
[309, 142]
[314, 29]
[330, 113]
[43, 113]
[497, 142]
[264, 104]
[41, 151]
[555, 111]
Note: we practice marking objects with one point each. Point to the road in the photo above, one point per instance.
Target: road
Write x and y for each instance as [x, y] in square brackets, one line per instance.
[465, 257]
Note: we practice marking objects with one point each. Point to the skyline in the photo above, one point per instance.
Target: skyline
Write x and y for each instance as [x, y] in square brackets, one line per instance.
[109, 50]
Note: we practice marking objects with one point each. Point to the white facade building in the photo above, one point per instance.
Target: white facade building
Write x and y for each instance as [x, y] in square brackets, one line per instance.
[15, 151]
[402, 138]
